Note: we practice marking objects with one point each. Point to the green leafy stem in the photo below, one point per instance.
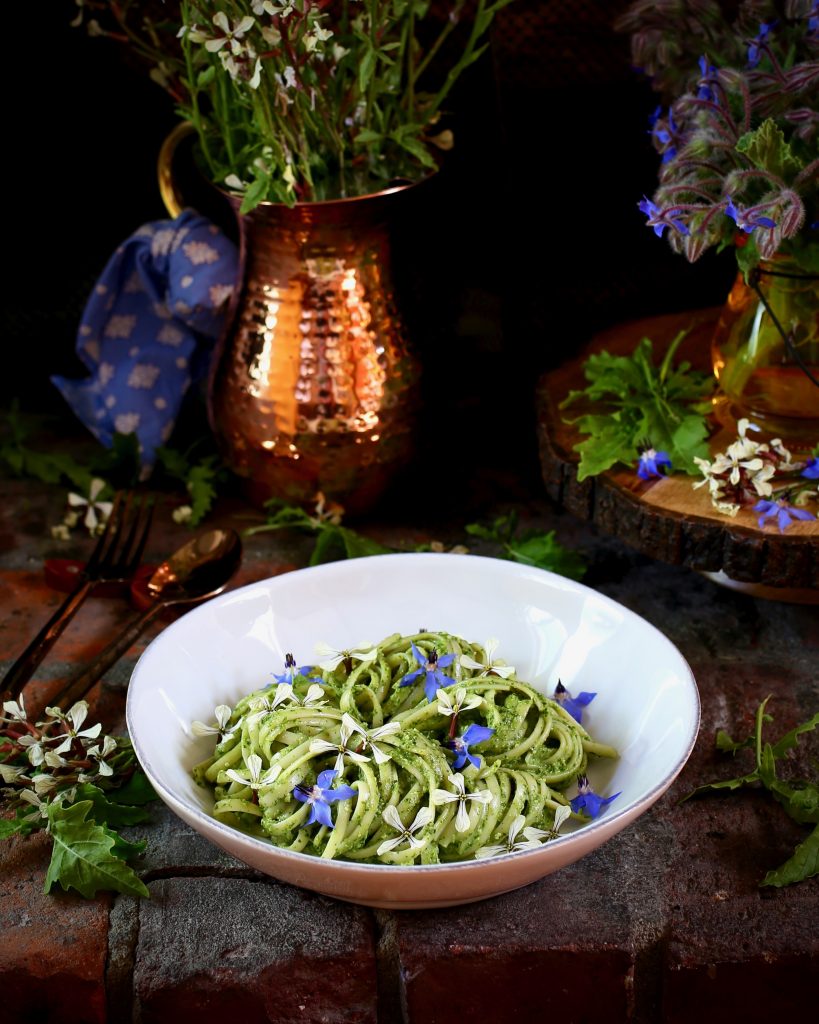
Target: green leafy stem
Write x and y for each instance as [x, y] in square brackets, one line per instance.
[638, 404]
[799, 797]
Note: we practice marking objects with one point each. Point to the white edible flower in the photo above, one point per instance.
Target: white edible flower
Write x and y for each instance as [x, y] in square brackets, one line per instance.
[761, 480]
[406, 834]
[60, 532]
[255, 779]
[540, 835]
[445, 796]
[349, 727]
[222, 715]
[14, 709]
[461, 703]
[379, 733]
[231, 34]
[43, 784]
[31, 797]
[9, 773]
[333, 658]
[512, 844]
[96, 512]
[182, 514]
[499, 668]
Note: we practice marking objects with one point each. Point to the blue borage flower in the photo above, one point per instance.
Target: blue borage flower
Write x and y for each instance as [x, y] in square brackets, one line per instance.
[708, 78]
[811, 470]
[291, 670]
[784, 513]
[320, 796]
[813, 19]
[653, 464]
[574, 705]
[431, 665]
[747, 220]
[473, 735]
[758, 44]
[660, 219]
[587, 800]
[664, 133]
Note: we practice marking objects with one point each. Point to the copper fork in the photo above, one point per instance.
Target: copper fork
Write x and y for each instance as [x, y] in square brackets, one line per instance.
[115, 558]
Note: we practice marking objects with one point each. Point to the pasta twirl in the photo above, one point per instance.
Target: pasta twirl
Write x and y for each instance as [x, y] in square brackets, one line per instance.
[415, 750]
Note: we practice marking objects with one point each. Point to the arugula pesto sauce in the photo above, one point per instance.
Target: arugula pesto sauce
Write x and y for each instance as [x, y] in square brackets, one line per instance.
[391, 748]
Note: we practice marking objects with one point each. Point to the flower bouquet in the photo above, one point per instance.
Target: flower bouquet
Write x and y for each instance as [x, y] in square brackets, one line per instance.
[299, 100]
[738, 132]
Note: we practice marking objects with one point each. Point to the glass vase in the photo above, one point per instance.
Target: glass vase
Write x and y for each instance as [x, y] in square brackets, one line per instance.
[765, 349]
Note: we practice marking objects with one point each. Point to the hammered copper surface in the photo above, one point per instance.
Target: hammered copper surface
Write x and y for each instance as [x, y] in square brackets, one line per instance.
[315, 387]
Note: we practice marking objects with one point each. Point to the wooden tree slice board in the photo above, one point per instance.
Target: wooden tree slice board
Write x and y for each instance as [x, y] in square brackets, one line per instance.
[667, 519]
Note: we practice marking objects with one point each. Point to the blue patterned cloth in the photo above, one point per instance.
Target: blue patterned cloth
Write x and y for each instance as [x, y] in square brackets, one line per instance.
[148, 329]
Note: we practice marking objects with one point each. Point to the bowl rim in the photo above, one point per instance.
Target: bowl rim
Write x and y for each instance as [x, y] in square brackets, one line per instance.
[597, 826]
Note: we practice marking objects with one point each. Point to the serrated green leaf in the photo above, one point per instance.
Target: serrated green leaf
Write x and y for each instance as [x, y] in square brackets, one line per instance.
[82, 857]
[358, 546]
[11, 827]
[790, 740]
[546, 552]
[136, 791]
[800, 800]
[124, 848]
[108, 812]
[803, 864]
[729, 746]
[727, 784]
[329, 547]
[768, 150]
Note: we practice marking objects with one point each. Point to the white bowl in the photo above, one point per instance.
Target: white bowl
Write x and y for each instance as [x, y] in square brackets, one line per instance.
[647, 704]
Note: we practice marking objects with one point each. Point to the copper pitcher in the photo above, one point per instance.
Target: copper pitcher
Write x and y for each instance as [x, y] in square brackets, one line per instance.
[314, 386]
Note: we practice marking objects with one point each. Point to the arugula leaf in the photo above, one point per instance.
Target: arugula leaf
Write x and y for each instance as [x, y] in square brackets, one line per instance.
[200, 477]
[799, 798]
[136, 791]
[530, 547]
[639, 403]
[803, 864]
[791, 739]
[107, 812]
[82, 857]
[726, 744]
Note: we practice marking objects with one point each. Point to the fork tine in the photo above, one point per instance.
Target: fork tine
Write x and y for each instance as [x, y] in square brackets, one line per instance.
[136, 557]
[103, 549]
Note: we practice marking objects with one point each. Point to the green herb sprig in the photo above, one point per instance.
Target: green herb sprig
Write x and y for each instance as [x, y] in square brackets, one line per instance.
[530, 547]
[640, 404]
[799, 797]
[334, 542]
[79, 786]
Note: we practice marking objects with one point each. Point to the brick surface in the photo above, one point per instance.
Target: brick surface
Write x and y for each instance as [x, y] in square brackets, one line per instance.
[52, 948]
[664, 923]
[569, 946]
[215, 949]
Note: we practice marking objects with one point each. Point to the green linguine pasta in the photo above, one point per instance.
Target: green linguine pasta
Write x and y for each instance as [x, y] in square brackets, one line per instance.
[419, 749]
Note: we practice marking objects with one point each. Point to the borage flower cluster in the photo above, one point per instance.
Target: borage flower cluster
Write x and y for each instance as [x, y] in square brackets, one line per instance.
[305, 99]
[739, 131]
[763, 475]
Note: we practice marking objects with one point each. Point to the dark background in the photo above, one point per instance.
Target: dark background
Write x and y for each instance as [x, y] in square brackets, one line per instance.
[530, 240]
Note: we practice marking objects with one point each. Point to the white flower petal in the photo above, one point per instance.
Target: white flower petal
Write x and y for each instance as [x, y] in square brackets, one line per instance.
[390, 729]
[490, 851]
[200, 729]
[348, 727]
[443, 796]
[236, 777]
[77, 713]
[322, 746]
[254, 766]
[468, 662]
[393, 818]
[389, 844]
[381, 756]
[515, 827]
[422, 818]
[462, 817]
[561, 814]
